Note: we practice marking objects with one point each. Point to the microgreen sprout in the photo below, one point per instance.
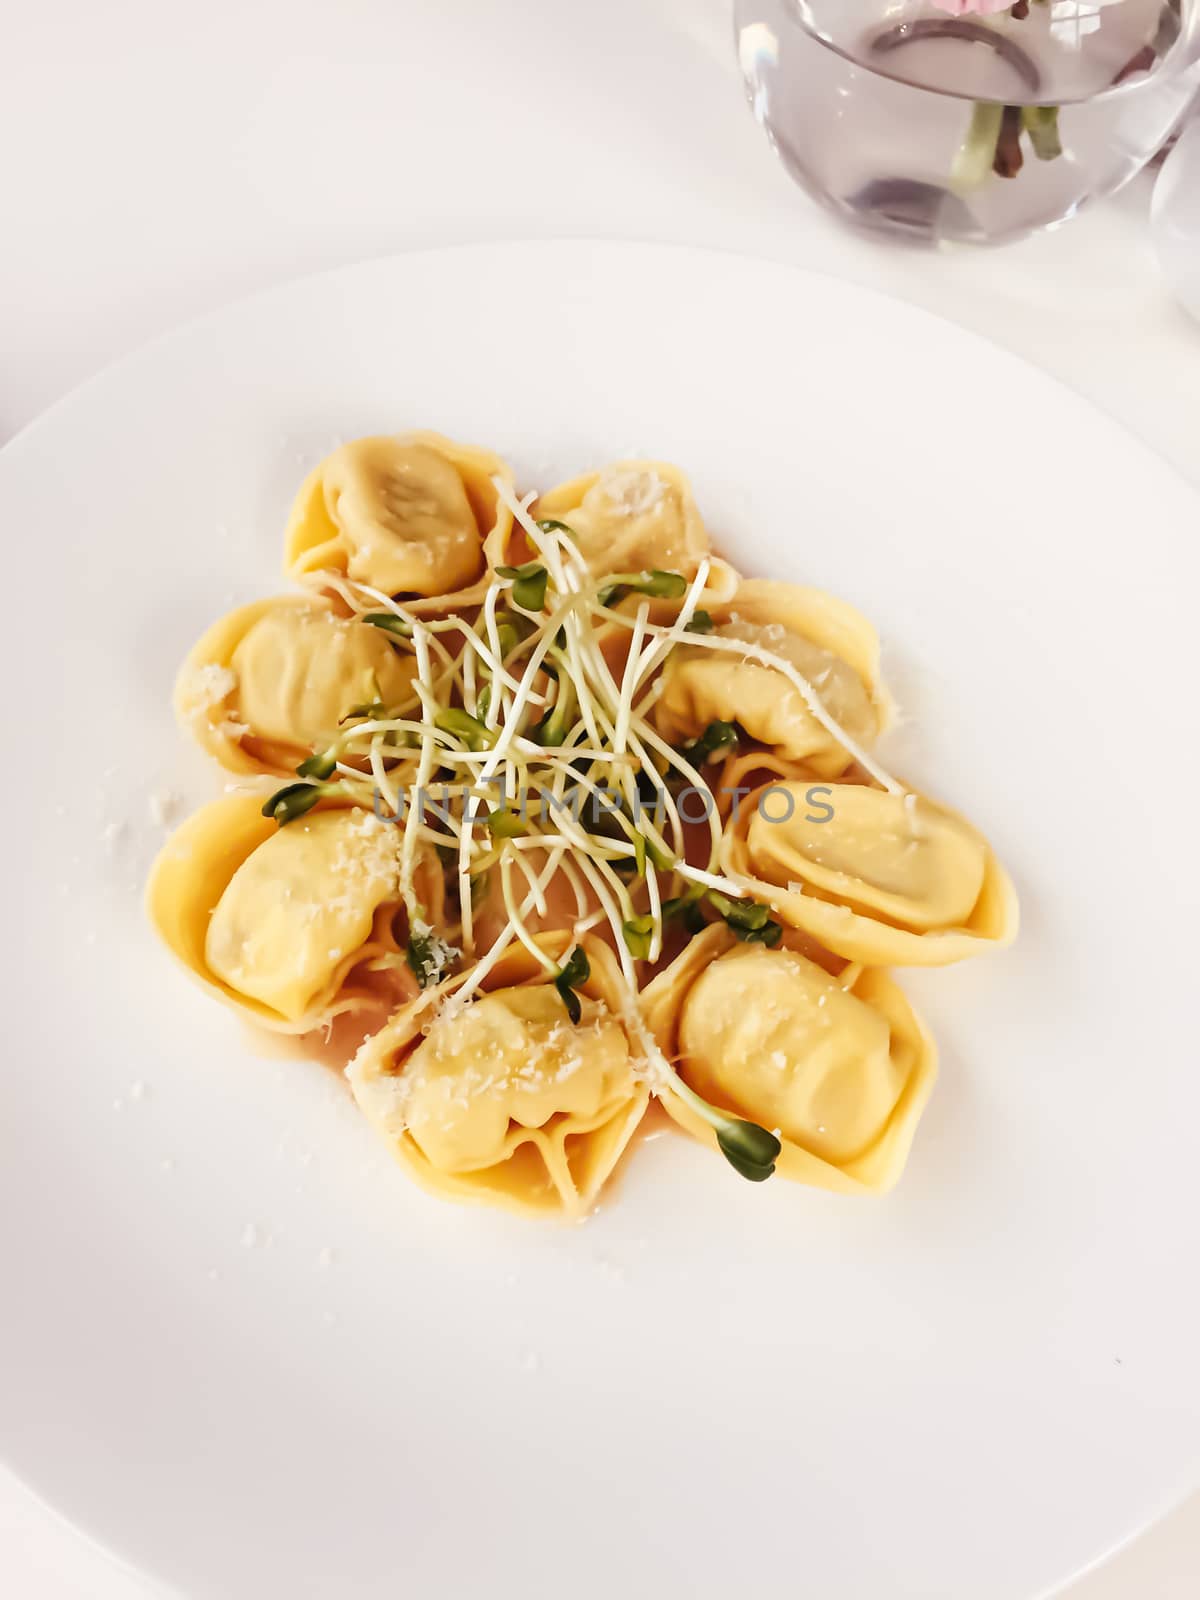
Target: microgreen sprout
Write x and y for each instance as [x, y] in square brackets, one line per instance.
[553, 525]
[390, 623]
[686, 907]
[505, 823]
[717, 738]
[749, 1149]
[528, 584]
[701, 622]
[473, 733]
[427, 954]
[661, 585]
[321, 765]
[294, 799]
[554, 727]
[639, 931]
[575, 970]
[748, 919]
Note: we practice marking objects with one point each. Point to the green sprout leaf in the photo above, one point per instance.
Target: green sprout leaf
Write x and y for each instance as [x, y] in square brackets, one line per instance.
[748, 919]
[504, 823]
[717, 738]
[640, 847]
[369, 708]
[390, 623]
[661, 585]
[659, 859]
[639, 932]
[292, 801]
[528, 584]
[553, 525]
[575, 970]
[464, 726]
[483, 703]
[319, 766]
[424, 957]
[686, 906]
[701, 623]
[749, 1149]
[554, 727]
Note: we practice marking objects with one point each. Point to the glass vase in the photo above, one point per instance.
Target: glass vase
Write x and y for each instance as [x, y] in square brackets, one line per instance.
[969, 127]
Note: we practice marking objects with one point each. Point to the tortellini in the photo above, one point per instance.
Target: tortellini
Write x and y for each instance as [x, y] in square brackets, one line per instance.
[633, 516]
[566, 813]
[876, 877]
[284, 923]
[503, 1098]
[271, 682]
[826, 641]
[840, 1069]
[412, 515]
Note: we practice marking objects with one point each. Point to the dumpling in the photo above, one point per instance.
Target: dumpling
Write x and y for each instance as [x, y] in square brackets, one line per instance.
[840, 1074]
[287, 923]
[881, 878]
[415, 515]
[269, 683]
[631, 517]
[504, 1099]
[829, 644]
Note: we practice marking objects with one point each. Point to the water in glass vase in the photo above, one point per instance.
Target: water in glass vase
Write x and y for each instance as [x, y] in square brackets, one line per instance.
[969, 127]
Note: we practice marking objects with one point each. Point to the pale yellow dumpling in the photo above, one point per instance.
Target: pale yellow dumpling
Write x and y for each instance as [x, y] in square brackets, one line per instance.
[839, 1069]
[270, 682]
[406, 515]
[300, 906]
[501, 1098]
[510, 1061]
[827, 645]
[771, 1034]
[299, 672]
[702, 686]
[874, 876]
[634, 515]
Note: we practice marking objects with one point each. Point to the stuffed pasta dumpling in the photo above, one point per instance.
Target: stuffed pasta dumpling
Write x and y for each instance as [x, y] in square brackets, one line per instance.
[287, 924]
[826, 643]
[503, 1098]
[882, 878]
[634, 515]
[413, 514]
[271, 682]
[840, 1071]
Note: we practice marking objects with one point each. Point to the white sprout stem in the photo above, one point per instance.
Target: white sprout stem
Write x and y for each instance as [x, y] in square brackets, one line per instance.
[425, 767]
[382, 782]
[481, 970]
[629, 681]
[517, 922]
[470, 696]
[660, 647]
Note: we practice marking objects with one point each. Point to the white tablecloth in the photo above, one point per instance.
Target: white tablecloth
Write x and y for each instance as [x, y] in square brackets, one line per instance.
[160, 159]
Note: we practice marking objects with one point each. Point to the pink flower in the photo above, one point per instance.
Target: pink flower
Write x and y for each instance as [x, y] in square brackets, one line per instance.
[985, 8]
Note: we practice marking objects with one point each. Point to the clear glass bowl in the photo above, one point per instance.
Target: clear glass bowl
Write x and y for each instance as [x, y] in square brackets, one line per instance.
[903, 118]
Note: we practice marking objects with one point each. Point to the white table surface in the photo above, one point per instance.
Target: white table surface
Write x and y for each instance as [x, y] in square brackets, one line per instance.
[159, 160]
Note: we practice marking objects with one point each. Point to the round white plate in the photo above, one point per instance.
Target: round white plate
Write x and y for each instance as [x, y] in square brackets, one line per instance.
[242, 1349]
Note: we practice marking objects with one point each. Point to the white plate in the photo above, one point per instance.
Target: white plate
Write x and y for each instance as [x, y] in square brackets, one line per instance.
[973, 1388]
